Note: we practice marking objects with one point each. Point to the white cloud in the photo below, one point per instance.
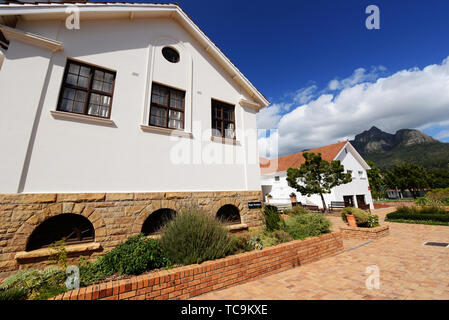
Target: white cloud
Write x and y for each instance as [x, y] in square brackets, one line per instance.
[443, 134]
[269, 117]
[358, 76]
[304, 95]
[411, 98]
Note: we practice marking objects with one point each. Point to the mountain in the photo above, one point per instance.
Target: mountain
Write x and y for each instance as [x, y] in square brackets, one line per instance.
[385, 149]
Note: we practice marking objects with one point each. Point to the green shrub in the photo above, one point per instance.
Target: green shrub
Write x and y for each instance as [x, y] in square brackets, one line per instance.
[373, 221]
[307, 225]
[240, 244]
[419, 214]
[421, 210]
[193, 236]
[423, 201]
[273, 238]
[441, 195]
[296, 210]
[361, 216]
[15, 293]
[34, 283]
[135, 256]
[272, 218]
[281, 236]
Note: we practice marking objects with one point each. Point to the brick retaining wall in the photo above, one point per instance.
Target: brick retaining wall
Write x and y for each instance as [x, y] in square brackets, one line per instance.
[365, 233]
[189, 281]
[114, 216]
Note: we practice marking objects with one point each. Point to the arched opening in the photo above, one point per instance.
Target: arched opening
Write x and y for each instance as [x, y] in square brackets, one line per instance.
[229, 214]
[73, 228]
[157, 220]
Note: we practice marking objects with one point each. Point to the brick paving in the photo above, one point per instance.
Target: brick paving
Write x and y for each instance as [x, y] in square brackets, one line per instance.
[408, 270]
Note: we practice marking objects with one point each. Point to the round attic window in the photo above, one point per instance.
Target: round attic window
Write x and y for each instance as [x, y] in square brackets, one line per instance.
[170, 54]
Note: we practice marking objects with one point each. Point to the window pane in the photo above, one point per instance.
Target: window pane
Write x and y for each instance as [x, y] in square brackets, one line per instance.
[66, 105]
[97, 85]
[229, 130]
[78, 107]
[176, 99]
[174, 124]
[157, 117]
[69, 93]
[176, 115]
[99, 75]
[159, 95]
[108, 77]
[93, 109]
[95, 98]
[216, 128]
[217, 112]
[85, 71]
[99, 105]
[80, 96]
[83, 81]
[107, 87]
[228, 115]
[72, 79]
[74, 68]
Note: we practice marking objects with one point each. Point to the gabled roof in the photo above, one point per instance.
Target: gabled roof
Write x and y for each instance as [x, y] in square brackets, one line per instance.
[108, 10]
[328, 153]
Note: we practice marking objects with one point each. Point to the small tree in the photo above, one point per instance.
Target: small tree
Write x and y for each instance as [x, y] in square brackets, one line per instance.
[317, 176]
[376, 180]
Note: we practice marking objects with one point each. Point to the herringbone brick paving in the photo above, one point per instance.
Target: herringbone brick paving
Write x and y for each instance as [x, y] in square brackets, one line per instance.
[407, 269]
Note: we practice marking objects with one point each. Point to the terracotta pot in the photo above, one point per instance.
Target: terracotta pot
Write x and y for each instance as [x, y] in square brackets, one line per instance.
[351, 221]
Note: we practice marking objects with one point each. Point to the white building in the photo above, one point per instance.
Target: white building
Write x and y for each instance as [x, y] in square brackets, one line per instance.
[355, 193]
[121, 98]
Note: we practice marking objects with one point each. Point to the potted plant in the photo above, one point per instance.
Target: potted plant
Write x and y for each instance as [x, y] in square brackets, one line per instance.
[351, 220]
[293, 197]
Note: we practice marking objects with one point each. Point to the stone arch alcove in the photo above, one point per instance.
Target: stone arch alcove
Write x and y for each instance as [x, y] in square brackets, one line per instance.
[156, 220]
[229, 214]
[22, 235]
[73, 228]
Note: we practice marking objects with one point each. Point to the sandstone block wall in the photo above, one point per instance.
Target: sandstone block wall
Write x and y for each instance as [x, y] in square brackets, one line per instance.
[114, 216]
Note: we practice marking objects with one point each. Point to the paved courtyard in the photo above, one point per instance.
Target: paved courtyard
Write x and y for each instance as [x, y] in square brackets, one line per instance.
[407, 269]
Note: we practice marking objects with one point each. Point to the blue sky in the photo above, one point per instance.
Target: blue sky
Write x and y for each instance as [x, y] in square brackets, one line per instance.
[292, 50]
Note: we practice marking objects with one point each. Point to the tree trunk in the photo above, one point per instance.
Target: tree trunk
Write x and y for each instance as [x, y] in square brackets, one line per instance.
[324, 203]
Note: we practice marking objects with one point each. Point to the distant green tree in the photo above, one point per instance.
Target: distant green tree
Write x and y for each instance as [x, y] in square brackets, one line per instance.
[408, 176]
[317, 176]
[376, 180]
[439, 178]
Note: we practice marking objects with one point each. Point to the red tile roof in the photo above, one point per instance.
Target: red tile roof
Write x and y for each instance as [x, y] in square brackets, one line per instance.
[295, 160]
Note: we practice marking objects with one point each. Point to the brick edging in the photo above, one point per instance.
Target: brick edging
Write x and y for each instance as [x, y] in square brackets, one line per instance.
[364, 233]
[193, 280]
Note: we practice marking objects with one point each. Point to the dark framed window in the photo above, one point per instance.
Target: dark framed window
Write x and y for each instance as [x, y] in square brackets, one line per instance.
[223, 120]
[86, 89]
[167, 107]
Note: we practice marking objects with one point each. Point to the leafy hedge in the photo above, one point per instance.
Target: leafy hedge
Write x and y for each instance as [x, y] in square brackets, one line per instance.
[419, 214]
[307, 225]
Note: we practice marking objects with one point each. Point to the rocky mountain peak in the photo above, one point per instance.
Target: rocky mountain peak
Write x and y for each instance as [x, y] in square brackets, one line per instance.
[376, 140]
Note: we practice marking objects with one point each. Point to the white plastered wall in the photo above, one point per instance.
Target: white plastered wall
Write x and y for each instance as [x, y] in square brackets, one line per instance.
[75, 156]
